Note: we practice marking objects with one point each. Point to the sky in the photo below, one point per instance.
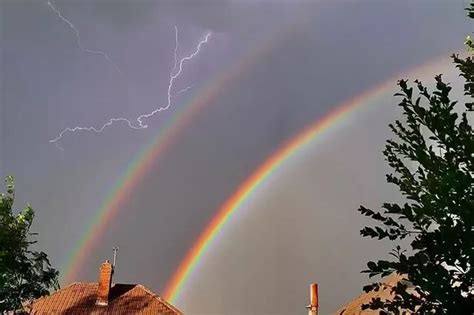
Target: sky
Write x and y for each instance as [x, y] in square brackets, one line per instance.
[296, 61]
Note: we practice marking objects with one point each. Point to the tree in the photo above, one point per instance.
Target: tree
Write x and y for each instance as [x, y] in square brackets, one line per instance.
[432, 160]
[24, 274]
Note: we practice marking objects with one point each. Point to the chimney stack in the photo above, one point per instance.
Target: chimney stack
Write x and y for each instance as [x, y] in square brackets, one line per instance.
[314, 304]
[105, 280]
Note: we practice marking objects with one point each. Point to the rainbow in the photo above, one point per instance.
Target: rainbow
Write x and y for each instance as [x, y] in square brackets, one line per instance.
[261, 175]
[137, 168]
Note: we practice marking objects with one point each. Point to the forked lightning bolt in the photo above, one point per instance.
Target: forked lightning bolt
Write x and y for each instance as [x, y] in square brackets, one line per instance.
[173, 77]
[78, 38]
[138, 123]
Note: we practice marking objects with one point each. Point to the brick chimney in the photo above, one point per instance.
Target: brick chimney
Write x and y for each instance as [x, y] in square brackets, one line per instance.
[105, 280]
[314, 303]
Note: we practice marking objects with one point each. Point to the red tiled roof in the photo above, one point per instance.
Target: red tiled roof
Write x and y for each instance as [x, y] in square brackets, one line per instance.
[80, 298]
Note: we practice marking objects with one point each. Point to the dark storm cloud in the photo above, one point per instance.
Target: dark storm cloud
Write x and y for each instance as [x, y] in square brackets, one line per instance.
[123, 15]
[214, 15]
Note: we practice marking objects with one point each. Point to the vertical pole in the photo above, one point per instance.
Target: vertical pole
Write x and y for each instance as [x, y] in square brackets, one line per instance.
[115, 249]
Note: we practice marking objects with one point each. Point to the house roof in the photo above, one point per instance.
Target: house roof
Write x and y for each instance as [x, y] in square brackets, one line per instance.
[384, 293]
[80, 298]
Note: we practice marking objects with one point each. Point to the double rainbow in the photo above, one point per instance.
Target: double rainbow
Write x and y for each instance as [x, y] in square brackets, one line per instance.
[138, 167]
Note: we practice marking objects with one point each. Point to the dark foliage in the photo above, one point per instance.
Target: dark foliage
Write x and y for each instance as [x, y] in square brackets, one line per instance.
[433, 165]
[24, 274]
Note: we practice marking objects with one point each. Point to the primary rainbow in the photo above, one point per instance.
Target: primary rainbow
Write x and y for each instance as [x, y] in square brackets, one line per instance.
[138, 167]
[264, 171]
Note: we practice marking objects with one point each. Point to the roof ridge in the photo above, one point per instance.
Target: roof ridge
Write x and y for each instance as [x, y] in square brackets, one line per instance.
[159, 298]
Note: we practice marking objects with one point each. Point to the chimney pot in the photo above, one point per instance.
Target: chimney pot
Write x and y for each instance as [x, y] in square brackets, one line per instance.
[105, 280]
[314, 294]
[314, 303]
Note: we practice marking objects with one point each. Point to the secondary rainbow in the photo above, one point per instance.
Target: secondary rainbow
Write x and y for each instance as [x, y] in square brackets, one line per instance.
[322, 126]
[148, 156]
